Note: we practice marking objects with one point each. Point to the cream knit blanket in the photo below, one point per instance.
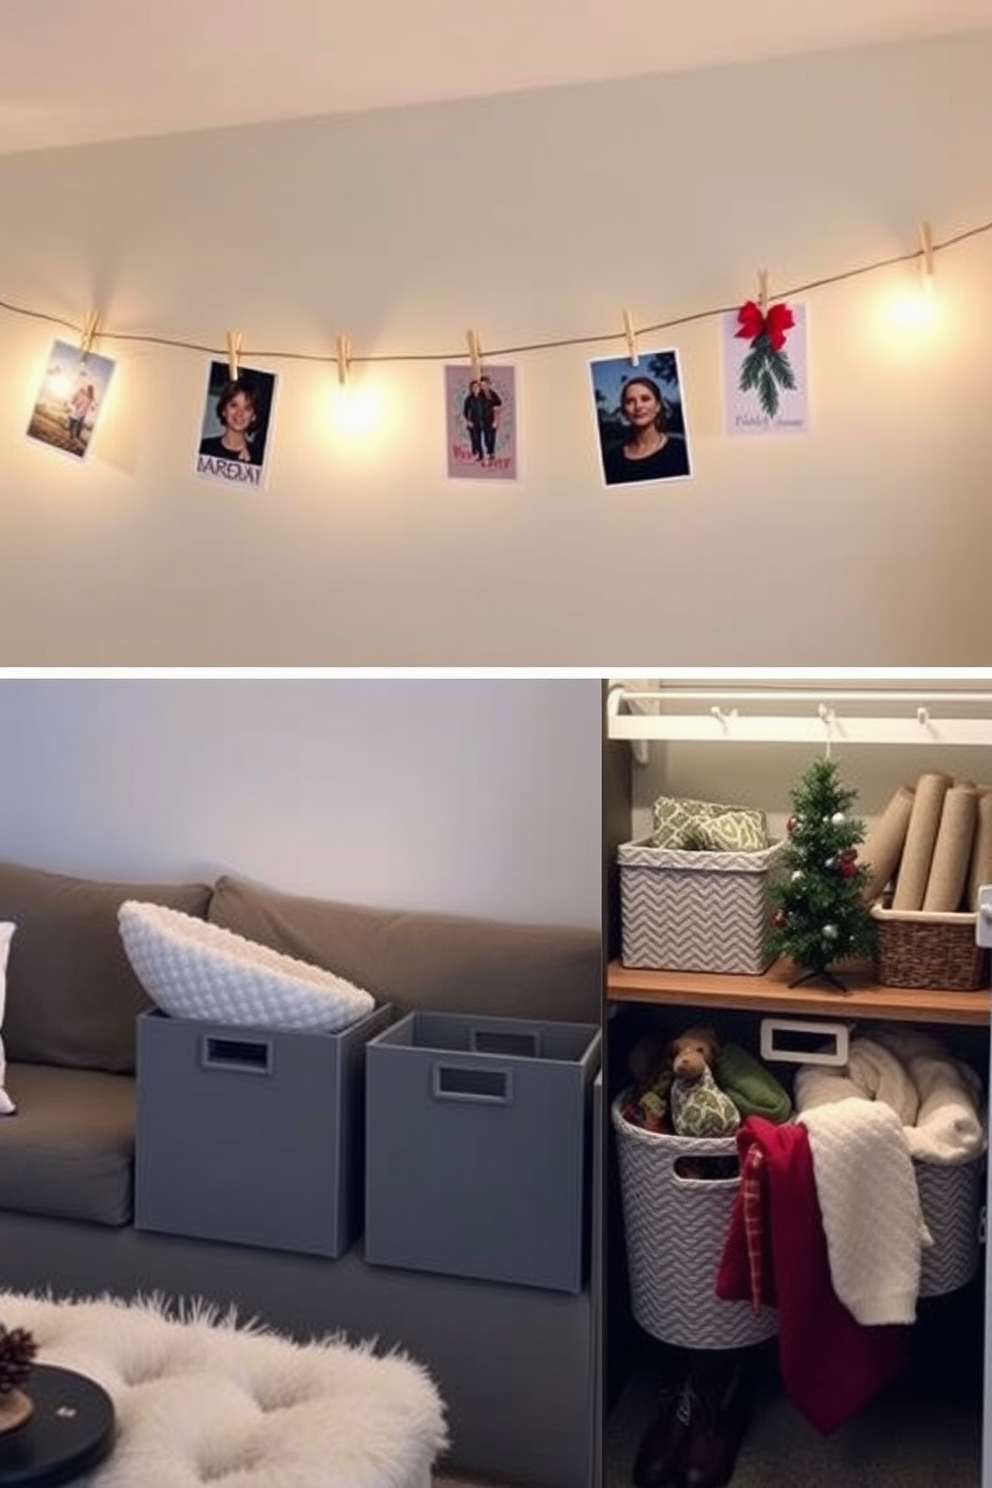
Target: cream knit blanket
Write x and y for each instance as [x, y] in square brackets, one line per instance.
[900, 1097]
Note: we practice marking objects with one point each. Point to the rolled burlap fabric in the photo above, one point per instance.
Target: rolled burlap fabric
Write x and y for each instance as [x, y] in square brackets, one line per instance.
[882, 847]
[951, 860]
[980, 868]
[921, 834]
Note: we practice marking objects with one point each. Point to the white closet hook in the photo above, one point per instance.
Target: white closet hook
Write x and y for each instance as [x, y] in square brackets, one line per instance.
[722, 717]
[829, 718]
[923, 716]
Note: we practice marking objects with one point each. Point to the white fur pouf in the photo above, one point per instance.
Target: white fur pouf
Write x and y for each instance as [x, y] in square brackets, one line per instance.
[200, 1398]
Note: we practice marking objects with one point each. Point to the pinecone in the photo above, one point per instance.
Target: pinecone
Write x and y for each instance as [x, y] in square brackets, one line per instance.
[17, 1352]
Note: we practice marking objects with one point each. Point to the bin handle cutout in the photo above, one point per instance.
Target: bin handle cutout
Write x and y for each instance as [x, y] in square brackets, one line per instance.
[802, 1041]
[250, 1056]
[458, 1082]
[499, 1041]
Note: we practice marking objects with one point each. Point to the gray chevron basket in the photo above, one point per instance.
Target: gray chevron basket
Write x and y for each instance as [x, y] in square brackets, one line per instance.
[682, 910]
[951, 1199]
[675, 1230]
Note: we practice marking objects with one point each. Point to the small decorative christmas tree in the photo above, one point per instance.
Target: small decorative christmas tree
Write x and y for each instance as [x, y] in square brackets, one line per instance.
[822, 915]
[17, 1355]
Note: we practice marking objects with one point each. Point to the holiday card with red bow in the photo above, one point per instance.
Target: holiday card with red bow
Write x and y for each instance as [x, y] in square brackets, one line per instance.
[764, 361]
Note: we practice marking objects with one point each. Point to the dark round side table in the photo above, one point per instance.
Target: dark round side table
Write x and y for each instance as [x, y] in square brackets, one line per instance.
[70, 1430]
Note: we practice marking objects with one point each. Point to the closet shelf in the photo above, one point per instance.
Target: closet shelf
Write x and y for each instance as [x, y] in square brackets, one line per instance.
[771, 993]
[800, 716]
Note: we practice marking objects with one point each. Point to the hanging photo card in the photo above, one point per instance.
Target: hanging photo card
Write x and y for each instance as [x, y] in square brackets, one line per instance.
[481, 422]
[765, 372]
[70, 398]
[640, 418]
[237, 418]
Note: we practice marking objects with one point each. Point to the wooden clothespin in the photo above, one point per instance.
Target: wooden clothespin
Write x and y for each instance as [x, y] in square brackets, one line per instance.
[343, 353]
[763, 291]
[926, 256]
[475, 354]
[630, 335]
[235, 346]
[89, 334]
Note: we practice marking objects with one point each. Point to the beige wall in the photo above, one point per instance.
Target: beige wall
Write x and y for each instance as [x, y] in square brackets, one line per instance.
[532, 217]
[763, 774]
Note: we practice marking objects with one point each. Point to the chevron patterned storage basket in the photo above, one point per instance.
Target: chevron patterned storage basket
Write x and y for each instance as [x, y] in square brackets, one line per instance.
[695, 911]
[675, 1229]
[951, 1199]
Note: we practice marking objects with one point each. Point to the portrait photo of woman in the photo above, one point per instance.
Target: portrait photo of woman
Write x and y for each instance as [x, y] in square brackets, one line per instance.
[235, 424]
[640, 418]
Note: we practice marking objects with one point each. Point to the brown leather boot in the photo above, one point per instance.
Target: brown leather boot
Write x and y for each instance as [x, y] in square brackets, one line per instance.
[719, 1410]
[661, 1449]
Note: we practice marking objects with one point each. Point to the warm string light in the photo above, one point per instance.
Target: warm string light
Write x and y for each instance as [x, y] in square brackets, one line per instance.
[924, 256]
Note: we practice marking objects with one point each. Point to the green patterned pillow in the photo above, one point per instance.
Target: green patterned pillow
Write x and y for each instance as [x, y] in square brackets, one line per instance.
[707, 826]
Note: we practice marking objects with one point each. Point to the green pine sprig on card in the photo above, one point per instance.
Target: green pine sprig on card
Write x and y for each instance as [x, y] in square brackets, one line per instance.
[766, 367]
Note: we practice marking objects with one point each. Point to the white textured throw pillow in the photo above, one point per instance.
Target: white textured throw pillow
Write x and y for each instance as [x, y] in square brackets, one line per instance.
[192, 969]
[7, 1107]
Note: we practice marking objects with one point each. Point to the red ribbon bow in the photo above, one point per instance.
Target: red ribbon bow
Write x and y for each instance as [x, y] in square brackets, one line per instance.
[774, 325]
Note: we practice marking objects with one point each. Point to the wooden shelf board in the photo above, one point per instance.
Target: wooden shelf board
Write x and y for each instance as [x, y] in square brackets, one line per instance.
[771, 993]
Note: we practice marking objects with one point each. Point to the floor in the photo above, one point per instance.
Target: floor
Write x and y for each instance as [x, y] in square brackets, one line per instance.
[924, 1432]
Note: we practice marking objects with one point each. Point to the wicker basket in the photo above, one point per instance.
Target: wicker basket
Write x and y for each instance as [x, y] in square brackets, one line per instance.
[919, 949]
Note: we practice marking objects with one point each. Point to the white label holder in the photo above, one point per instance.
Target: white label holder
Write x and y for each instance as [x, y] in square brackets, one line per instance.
[801, 1041]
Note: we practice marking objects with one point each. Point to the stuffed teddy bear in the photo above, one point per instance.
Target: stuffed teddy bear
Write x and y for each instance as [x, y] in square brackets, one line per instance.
[699, 1108]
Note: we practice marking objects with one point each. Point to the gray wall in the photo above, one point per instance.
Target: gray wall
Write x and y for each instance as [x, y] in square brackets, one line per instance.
[476, 796]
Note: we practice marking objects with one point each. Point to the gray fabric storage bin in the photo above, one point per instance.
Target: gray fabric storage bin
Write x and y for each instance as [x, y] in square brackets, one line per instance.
[251, 1136]
[478, 1147]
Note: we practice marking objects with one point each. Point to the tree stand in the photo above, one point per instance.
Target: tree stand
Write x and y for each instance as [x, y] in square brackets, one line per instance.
[815, 974]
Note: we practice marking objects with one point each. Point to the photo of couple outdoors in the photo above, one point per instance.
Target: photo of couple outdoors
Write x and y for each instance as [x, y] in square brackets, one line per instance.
[640, 418]
[481, 422]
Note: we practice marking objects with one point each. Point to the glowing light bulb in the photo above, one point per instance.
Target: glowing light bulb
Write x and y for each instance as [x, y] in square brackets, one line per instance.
[913, 310]
[356, 409]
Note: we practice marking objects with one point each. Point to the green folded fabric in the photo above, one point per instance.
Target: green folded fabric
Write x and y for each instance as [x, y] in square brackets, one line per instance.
[707, 825]
[753, 1089]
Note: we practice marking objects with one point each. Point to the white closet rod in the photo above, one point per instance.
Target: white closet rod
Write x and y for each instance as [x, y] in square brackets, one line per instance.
[828, 723]
[801, 695]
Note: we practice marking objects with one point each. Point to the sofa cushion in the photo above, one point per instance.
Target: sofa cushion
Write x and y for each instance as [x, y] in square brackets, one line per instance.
[434, 962]
[72, 997]
[193, 969]
[69, 1151]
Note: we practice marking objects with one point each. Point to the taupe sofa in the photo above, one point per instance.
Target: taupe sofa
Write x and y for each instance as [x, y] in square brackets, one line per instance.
[518, 1366]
